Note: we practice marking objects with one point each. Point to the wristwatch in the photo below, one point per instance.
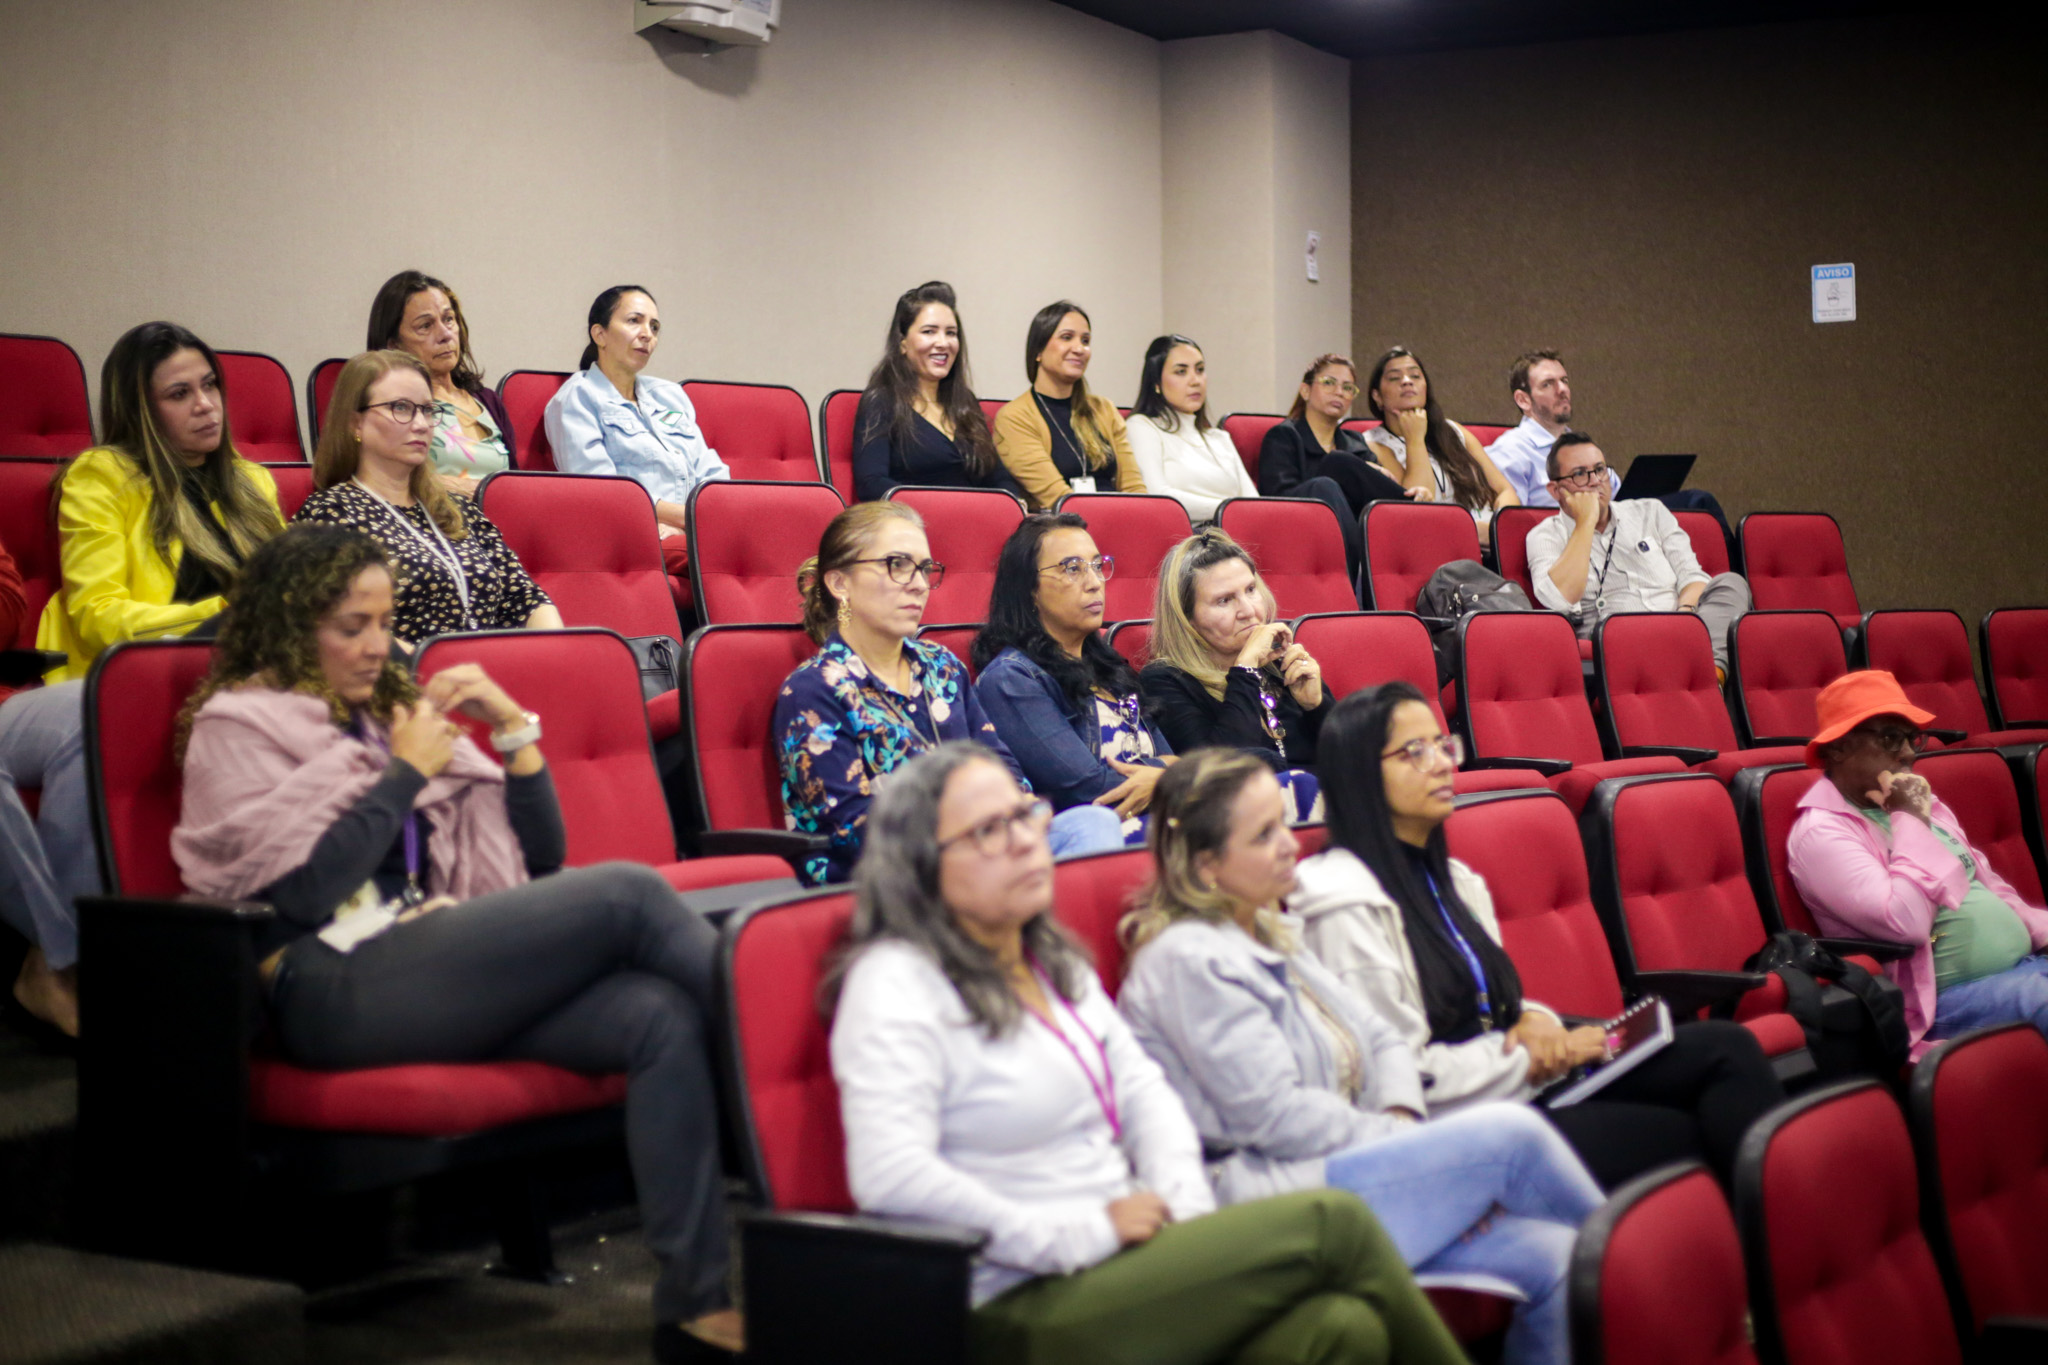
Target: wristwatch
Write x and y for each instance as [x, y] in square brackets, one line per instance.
[511, 741]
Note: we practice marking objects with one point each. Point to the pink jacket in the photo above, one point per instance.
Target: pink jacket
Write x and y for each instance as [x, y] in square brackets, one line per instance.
[1858, 887]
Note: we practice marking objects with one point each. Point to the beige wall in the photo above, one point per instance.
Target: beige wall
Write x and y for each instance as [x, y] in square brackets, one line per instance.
[255, 170]
[1256, 154]
[1652, 206]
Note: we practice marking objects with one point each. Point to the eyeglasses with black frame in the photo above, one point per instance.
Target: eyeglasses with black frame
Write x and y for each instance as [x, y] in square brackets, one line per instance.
[998, 834]
[902, 568]
[1898, 739]
[1071, 568]
[404, 410]
[1592, 476]
[1422, 753]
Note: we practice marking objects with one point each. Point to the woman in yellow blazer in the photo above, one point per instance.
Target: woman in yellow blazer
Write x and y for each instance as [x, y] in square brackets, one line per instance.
[1057, 438]
[153, 525]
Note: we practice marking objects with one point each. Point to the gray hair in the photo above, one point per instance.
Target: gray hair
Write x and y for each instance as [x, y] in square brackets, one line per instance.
[896, 895]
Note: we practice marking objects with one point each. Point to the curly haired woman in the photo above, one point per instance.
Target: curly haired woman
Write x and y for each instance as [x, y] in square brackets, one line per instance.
[420, 916]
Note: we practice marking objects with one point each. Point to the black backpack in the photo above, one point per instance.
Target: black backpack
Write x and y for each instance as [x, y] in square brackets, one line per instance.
[1862, 1035]
[1458, 589]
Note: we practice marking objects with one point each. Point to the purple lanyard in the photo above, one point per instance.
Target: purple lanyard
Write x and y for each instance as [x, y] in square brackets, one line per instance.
[1104, 1089]
[415, 862]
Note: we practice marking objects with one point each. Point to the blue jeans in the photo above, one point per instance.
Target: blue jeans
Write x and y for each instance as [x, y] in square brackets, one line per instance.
[1492, 1189]
[2017, 995]
[49, 861]
[1085, 829]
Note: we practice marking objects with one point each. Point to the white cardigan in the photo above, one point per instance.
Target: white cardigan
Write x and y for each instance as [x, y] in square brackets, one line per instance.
[1199, 469]
[1353, 926]
[1003, 1135]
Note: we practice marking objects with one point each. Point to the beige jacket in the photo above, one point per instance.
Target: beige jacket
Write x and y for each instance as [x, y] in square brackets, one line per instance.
[1024, 441]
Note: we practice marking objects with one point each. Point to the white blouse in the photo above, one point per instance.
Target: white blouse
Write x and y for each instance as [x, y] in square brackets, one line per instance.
[1199, 469]
[1386, 440]
[1011, 1135]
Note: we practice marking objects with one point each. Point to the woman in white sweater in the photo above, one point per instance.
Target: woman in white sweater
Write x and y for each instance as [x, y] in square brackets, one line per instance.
[1179, 451]
[985, 1079]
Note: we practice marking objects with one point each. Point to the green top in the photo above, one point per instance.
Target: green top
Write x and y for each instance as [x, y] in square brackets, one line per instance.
[1981, 936]
[455, 453]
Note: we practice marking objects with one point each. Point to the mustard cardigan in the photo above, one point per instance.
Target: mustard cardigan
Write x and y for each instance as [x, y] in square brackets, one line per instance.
[1024, 441]
[116, 586]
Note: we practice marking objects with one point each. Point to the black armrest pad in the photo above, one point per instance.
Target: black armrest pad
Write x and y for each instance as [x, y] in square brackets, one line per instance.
[1689, 992]
[1948, 736]
[1684, 753]
[1868, 947]
[789, 845]
[857, 1229]
[1548, 767]
[1777, 741]
[2010, 1341]
[20, 667]
[1437, 623]
[817, 1283]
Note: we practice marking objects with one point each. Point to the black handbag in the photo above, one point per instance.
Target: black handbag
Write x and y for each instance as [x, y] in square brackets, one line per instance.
[661, 664]
[1862, 1035]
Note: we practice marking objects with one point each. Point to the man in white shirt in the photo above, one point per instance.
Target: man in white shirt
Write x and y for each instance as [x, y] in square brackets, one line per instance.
[1597, 556]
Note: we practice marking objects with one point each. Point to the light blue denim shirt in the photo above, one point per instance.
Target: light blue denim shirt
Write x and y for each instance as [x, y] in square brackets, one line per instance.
[1522, 455]
[653, 441]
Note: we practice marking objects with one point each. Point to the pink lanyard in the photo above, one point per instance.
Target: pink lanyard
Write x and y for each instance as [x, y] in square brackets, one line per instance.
[1104, 1089]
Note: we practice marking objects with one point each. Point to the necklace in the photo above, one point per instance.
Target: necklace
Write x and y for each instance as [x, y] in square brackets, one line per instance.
[1080, 460]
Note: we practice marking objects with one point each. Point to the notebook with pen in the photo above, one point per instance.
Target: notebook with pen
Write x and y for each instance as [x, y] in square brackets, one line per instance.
[1634, 1036]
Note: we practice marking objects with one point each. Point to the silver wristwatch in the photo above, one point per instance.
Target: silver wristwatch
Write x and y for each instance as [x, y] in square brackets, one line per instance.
[511, 741]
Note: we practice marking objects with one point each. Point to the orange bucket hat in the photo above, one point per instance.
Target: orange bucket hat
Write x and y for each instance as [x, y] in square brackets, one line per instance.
[1853, 698]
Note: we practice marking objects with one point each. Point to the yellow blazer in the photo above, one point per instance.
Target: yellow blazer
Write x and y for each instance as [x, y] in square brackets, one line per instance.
[1024, 441]
[116, 586]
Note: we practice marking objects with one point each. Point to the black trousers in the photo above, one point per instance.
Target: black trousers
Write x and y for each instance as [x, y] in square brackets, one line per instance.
[1692, 1101]
[599, 969]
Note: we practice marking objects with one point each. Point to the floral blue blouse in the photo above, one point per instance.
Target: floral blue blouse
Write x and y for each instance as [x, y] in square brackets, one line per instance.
[839, 730]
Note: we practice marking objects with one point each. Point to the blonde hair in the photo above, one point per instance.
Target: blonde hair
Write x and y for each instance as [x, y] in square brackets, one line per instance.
[340, 451]
[845, 539]
[1191, 816]
[1175, 641]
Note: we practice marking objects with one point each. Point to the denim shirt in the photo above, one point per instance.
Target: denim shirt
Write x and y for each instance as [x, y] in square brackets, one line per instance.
[653, 441]
[839, 730]
[1057, 746]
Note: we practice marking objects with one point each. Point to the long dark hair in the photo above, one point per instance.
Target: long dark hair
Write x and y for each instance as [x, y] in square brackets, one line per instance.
[1151, 401]
[601, 310]
[1096, 448]
[1013, 620]
[891, 397]
[387, 316]
[1469, 488]
[1355, 805]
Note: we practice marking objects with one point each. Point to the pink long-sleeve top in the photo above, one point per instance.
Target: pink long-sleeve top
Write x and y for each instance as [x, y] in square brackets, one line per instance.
[1860, 886]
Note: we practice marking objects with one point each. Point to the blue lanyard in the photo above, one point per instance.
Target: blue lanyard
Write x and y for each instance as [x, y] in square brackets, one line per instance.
[1471, 958]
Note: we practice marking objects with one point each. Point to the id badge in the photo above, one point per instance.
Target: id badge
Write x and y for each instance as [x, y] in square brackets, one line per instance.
[361, 919]
[1083, 484]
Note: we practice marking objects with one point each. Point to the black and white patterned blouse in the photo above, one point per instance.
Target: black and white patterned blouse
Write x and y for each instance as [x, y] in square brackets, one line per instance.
[501, 595]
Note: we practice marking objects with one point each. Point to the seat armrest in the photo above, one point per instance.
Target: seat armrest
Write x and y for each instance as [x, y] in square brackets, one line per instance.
[1777, 741]
[2010, 1341]
[1548, 767]
[1684, 753]
[818, 1283]
[792, 846]
[1437, 623]
[1947, 736]
[20, 667]
[1690, 992]
[1868, 947]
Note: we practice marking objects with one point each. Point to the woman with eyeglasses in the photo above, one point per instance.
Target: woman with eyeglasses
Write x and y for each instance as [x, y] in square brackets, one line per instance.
[1224, 673]
[1457, 469]
[1412, 933]
[1293, 1083]
[873, 696]
[1057, 437]
[373, 471]
[1313, 442]
[1066, 704]
[986, 1081]
[418, 314]
[1876, 855]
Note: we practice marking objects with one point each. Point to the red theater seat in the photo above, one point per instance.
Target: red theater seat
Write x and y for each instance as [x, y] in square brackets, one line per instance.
[1299, 547]
[526, 395]
[1511, 528]
[29, 531]
[294, 485]
[1796, 560]
[966, 528]
[1709, 545]
[1929, 653]
[1133, 640]
[747, 540]
[1977, 784]
[320, 388]
[1778, 661]
[835, 438]
[1137, 531]
[1406, 542]
[732, 676]
[1247, 431]
[421, 1101]
[44, 411]
[761, 431]
[2015, 648]
[1657, 1276]
[1658, 695]
[262, 414]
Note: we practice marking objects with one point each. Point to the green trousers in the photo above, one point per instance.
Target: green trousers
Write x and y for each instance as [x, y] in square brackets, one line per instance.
[1300, 1279]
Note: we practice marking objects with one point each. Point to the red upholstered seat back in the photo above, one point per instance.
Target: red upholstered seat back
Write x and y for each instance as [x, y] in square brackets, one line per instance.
[2016, 665]
[1133, 640]
[1709, 546]
[1929, 653]
[732, 676]
[263, 416]
[1361, 425]
[1770, 807]
[590, 542]
[133, 695]
[1299, 548]
[1780, 661]
[526, 394]
[1406, 542]
[957, 638]
[1526, 846]
[1361, 649]
[1657, 678]
[1511, 528]
[1090, 897]
[294, 485]
[1678, 869]
[774, 961]
[1797, 559]
[1247, 431]
[747, 539]
[1980, 1108]
[990, 407]
[761, 431]
[1486, 433]
[1522, 693]
[29, 531]
[1137, 531]
[319, 389]
[966, 528]
[835, 432]
[44, 412]
[1828, 1201]
[1979, 788]
[1657, 1276]
[585, 686]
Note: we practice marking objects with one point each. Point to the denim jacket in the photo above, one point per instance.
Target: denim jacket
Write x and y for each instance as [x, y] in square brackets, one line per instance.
[1058, 748]
[653, 441]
